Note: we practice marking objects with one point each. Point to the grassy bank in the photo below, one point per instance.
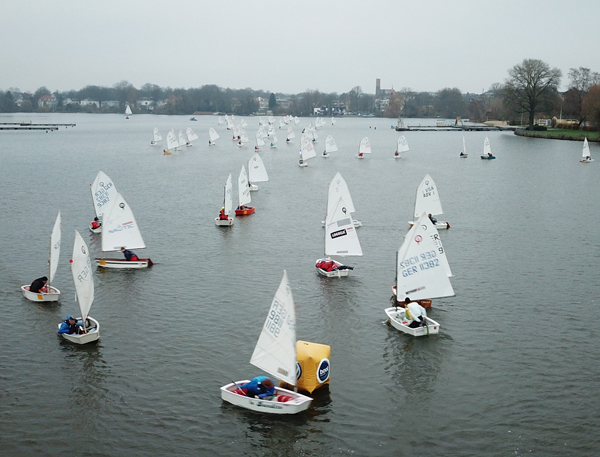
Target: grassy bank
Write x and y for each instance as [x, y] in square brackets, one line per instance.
[560, 134]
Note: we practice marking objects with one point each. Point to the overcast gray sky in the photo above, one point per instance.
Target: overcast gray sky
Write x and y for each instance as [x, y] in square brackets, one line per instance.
[290, 46]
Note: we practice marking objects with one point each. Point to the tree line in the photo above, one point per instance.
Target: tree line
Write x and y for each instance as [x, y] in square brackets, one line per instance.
[530, 91]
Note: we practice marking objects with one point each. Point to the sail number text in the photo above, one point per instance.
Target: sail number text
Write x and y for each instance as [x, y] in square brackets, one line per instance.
[276, 318]
[414, 264]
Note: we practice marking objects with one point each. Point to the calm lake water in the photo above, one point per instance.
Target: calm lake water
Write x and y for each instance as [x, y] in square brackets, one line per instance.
[514, 370]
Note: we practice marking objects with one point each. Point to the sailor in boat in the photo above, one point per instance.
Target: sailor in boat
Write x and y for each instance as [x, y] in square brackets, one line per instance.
[70, 325]
[39, 285]
[129, 255]
[287, 140]
[301, 161]
[416, 313]
[240, 143]
[256, 148]
[242, 207]
[462, 153]
[396, 154]
[325, 153]
[261, 387]
[360, 154]
[432, 219]
[96, 223]
[222, 215]
[490, 154]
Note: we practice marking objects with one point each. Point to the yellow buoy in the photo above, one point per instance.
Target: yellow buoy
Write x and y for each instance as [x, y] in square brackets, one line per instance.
[313, 368]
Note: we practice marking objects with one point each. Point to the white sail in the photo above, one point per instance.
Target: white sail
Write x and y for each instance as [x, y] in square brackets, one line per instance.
[290, 133]
[259, 141]
[54, 247]
[191, 135]
[128, 110]
[586, 149]
[243, 188]
[237, 131]
[270, 131]
[307, 150]
[340, 235]
[365, 146]
[330, 145]
[256, 169]
[437, 242]
[338, 188]
[119, 228]
[182, 140]
[275, 351]
[464, 151]
[220, 122]
[244, 137]
[104, 193]
[332, 121]
[296, 120]
[274, 141]
[81, 267]
[428, 199]
[228, 197]
[172, 142]
[420, 273]
[402, 144]
[157, 135]
[213, 135]
[243, 123]
[487, 149]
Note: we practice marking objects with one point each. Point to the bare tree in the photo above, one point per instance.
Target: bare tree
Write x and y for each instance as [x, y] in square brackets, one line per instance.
[582, 79]
[530, 85]
[591, 105]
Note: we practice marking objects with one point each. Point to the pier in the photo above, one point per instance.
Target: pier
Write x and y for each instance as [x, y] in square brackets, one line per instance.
[458, 128]
[32, 126]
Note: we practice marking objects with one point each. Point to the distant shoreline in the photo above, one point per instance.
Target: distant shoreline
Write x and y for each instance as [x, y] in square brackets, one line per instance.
[558, 134]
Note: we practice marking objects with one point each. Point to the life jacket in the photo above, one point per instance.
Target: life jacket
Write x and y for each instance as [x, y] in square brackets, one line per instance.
[95, 225]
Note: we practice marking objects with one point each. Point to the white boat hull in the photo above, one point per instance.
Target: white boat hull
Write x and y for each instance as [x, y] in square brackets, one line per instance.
[439, 225]
[224, 222]
[303, 164]
[52, 295]
[95, 230]
[253, 188]
[92, 335]
[297, 404]
[325, 155]
[397, 318]
[334, 273]
[122, 263]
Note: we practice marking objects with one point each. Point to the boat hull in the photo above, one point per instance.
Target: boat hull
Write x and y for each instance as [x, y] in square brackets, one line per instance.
[253, 188]
[296, 404]
[92, 335]
[122, 263]
[95, 230]
[439, 225]
[397, 318]
[303, 164]
[334, 273]
[487, 157]
[224, 222]
[245, 212]
[325, 156]
[52, 295]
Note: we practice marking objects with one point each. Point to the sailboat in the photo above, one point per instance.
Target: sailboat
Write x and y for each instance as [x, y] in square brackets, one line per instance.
[182, 141]
[364, 148]
[81, 267]
[307, 151]
[341, 238]
[191, 136]
[243, 195]
[586, 157]
[227, 221]
[172, 142]
[52, 293]
[256, 172]
[332, 121]
[400, 127]
[156, 137]
[428, 201]
[119, 229]
[401, 148]
[104, 193]
[330, 146]
[274, 142]
[463, 154]
[339, 188]
[127, 112]
[487, 150]
[420, 274]
[275, 353]
[290, 135]
[213, 136]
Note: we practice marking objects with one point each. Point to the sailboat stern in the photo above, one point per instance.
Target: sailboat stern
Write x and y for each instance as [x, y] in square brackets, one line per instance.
[283, 402]
[92, 334]
[122, 263]
[398, 320]
[53, 294]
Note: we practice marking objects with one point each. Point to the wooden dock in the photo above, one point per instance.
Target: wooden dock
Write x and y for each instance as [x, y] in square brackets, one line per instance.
[458, 128]
[32, 126]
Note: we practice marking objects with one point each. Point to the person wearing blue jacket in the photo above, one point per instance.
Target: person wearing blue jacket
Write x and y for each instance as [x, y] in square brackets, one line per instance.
[70, 326]
[260, 386]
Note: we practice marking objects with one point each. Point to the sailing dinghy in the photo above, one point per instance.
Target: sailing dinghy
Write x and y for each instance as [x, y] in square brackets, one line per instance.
[52, 293]
[213, 136]
[420, 275]
[364, 148]
[463, 154]
[243, 195]
[307, 151]
[401, 148]
[81, 267]
[487, 150]
[256, 172]
[275, 353]
[172, 143]
[120, 229]
[341, 239]
[224, 219]
[128, 112]
[586, 157]
[290, 135]
[191, 136]
[156, 137]
[104, 193]
[339, 188]
[428, 201]
[330, 146]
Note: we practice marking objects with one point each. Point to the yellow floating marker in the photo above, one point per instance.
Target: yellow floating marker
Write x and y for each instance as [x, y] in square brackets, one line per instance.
[313, 368]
